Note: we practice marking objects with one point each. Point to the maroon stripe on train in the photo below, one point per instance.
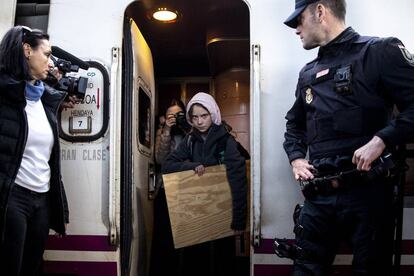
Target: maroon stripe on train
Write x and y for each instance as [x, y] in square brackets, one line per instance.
[79, 268]
[266, 247]
[407, 247]
[80, 243]
[338, 270]
[271, 270]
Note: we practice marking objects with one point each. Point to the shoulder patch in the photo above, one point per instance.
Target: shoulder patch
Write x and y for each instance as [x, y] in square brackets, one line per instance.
[406, 54]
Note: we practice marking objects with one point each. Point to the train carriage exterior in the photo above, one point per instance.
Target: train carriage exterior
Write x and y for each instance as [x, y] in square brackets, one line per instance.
[108, 139]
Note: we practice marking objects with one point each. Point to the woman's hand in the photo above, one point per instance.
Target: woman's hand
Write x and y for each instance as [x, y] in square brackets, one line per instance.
[170, 120]
[70, 102]
[55, 72]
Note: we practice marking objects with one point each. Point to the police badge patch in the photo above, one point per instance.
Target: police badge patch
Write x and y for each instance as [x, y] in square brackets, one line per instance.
[309, 96]
[407, 55]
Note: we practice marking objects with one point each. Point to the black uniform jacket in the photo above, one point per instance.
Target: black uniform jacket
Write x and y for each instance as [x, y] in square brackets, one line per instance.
[13, 136]
[346, 96]
[199, 152]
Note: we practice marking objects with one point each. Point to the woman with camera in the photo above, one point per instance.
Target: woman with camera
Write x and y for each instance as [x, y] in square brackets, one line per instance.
[32, 197]
[173, 131]
[165, 258]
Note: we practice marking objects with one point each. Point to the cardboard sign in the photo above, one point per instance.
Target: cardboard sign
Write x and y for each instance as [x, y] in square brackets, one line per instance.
[200, 208]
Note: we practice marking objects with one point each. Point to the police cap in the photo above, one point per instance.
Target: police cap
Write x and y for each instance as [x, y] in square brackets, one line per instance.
[300, 6]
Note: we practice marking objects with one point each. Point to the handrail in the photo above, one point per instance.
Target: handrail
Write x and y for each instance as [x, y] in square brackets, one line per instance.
[255, 123]
[114, 150]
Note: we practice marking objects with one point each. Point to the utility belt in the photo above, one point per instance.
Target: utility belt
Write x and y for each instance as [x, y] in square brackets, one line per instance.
[330, 182]
[325, 184]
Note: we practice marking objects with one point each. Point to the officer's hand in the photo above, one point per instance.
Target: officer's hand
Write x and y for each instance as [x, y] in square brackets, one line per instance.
[302, 170]
[364, 156]
[200, 169]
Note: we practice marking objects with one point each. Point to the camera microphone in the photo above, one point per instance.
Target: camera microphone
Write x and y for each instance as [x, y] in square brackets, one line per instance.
[67, 63]
[60, 53]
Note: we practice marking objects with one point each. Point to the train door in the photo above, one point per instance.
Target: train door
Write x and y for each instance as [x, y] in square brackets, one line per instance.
[206, 48]
[137, 177]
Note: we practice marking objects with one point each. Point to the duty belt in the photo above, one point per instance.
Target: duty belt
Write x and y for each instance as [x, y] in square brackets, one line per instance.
[326, 184]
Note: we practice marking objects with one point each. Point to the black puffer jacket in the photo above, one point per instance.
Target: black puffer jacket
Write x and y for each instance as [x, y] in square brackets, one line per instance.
[199, 152]
[13, 136]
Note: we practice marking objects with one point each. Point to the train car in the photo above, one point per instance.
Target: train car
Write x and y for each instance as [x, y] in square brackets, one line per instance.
[237, 50]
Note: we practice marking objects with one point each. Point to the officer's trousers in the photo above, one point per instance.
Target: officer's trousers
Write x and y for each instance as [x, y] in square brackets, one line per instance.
[359, 214]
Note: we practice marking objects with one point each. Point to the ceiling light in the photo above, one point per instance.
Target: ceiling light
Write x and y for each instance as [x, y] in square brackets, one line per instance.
[165, 15]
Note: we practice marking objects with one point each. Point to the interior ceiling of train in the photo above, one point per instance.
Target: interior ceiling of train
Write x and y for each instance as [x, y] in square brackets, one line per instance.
[209, 36]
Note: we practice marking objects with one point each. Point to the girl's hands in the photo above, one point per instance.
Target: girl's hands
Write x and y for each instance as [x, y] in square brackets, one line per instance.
[200, 169]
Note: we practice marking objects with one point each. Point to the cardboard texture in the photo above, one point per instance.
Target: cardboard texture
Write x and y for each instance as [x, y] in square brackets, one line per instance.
[200, 208]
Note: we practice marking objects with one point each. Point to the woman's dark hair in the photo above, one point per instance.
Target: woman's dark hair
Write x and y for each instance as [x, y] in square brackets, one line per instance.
[12, 59]
[175, 102]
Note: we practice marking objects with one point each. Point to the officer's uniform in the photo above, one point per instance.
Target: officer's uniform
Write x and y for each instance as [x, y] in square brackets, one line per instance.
[343, 98]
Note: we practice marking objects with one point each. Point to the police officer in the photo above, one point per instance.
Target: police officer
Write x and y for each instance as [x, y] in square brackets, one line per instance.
[342, 117]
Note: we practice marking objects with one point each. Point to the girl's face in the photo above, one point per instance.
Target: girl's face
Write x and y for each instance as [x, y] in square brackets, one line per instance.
[39, 59]
[201, 118]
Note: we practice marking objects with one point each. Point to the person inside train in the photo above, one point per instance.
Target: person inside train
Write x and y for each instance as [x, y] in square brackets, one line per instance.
[209, 143]
[173, 129]
[32, 196]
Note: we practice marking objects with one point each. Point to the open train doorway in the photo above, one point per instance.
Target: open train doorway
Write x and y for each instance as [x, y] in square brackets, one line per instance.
[204, 47]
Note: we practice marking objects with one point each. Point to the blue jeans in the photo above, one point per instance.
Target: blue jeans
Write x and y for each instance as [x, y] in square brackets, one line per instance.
[26, 232]
[358, 214]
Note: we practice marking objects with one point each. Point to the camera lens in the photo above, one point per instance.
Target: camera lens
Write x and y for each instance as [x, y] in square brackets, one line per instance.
[180, 118]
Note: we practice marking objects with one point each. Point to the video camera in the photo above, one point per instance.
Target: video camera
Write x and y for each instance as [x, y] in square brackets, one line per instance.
[67, 63]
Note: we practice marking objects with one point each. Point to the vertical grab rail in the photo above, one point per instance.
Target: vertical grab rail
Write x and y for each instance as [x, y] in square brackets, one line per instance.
[255, 123]
[114, 150]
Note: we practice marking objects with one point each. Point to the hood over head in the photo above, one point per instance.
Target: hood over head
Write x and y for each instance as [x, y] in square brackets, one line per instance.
[208, 102]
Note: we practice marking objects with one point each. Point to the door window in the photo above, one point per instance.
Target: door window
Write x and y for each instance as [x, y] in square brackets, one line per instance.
[144, 119]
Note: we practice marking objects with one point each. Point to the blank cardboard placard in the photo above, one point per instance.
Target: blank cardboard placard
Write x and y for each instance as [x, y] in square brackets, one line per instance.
[200, 208]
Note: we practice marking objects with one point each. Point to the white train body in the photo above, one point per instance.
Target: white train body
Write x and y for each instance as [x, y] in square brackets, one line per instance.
[93, 151]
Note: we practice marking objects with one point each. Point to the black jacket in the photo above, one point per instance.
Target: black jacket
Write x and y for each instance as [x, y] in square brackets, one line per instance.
[199, 152]
[346, 95]
[13, 136]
